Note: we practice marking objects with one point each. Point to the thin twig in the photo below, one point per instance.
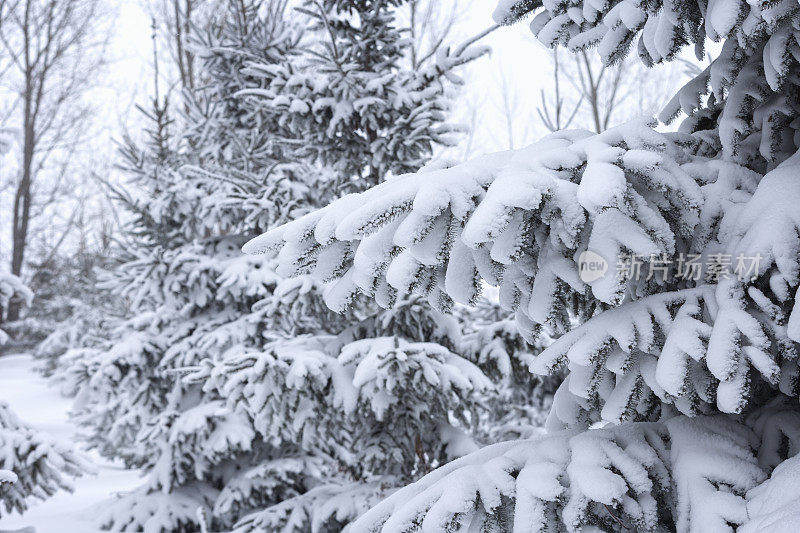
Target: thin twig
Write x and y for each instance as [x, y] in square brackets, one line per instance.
[617, 520]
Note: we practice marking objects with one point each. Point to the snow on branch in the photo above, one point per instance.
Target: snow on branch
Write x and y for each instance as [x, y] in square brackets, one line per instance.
[514, 219]
[690, 473]
[32, 465]
[522, 220]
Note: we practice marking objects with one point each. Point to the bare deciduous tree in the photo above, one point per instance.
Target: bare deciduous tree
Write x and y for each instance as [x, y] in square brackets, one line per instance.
[431, 24]
[173, 24]
[602, 95]
[49, 53]
[554, 115]
[599, 87]
[598, 91]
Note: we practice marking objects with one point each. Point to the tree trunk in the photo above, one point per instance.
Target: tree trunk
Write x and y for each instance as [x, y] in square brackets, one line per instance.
[22, 198]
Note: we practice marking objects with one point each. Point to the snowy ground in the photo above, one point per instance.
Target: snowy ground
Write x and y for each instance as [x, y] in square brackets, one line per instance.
[38, 403]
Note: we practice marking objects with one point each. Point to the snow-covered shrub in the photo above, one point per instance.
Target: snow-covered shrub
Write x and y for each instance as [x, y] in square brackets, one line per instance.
[32, 465]
[681, 386]
[12, 289]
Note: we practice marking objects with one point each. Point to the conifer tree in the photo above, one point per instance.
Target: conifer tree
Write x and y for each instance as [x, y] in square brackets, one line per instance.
[12, 289]
[247, 401]
[680, 394]
[350, 92]
[188, 290]
[345, 104]
[32, 465]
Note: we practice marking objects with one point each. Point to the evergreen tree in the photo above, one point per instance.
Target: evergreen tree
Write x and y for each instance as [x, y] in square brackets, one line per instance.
[243, 397]
[32, 465]
[349, 103]
[12, 290]
[680, 395]
[189, 291]
[518, 403]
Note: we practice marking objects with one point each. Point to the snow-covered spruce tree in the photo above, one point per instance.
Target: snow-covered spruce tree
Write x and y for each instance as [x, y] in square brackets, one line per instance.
[351, 397]
[212, 443]
[517, 405]
[372, 413]
[692, 373]
[32, 466]
[190, 293]
[349, 101]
